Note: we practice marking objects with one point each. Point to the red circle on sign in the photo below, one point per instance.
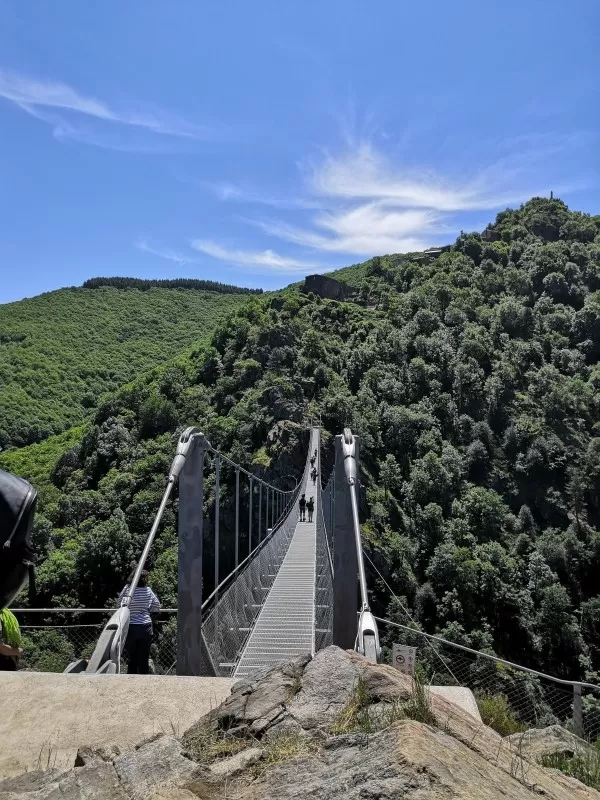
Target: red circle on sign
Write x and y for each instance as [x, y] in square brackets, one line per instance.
[400, 659]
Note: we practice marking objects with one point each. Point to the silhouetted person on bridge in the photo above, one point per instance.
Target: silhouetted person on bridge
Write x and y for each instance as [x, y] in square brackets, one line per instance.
[139, 638]
[310, 507]
[314, 474]
[302, 508]
[312, 461]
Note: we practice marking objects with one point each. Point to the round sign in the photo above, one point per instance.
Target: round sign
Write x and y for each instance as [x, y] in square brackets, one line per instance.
[400, 658]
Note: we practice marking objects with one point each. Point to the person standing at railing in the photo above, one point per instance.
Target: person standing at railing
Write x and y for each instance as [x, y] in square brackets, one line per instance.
[139, 638]
[10, 641]
[310, 507]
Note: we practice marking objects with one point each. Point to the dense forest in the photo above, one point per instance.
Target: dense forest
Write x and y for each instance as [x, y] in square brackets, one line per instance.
[177, 283]
[474, 384]
[61, 351]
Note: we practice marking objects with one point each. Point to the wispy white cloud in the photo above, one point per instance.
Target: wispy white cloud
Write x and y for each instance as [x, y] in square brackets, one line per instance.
[361, 202]
[364, 173]
[364, 230]
[168, 255]
[377, 206]
[239, 194]
[266, 259]
[51, 100]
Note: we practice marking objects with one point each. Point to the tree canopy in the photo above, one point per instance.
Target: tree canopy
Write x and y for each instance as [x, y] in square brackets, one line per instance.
[473, 383]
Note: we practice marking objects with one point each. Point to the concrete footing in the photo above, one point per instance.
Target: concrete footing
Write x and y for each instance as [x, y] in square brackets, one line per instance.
[46, 717]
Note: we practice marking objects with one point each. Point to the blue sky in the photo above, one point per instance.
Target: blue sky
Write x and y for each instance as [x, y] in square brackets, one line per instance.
[253, 143]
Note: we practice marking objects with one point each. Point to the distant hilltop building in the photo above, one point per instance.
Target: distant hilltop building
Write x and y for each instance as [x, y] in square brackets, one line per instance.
[491, 235]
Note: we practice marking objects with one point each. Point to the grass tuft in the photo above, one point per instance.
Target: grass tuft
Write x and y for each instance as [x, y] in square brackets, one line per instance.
[284, 747]
[355, 714]
[358, 716]
[207, 743]
[419, 705]
[584, 766]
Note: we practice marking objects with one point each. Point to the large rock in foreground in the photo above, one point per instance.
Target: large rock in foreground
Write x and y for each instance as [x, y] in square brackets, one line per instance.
[334, 726]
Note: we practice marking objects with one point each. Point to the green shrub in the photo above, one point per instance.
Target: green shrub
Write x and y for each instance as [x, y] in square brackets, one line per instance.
[584, 766]
[496, 713]
[46, 651]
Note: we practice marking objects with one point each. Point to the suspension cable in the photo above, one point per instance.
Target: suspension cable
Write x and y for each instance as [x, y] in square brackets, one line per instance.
[408, 614]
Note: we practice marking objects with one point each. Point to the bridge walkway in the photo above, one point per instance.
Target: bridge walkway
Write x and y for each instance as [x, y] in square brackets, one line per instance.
[285, 626]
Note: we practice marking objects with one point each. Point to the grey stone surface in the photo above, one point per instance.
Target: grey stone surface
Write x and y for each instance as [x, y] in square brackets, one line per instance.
[237, 763]
[95, 780]
[87, 754]
[458, 757]
[30, 781]
[539, 742]
[460, 696]
[257, 703]
[324, 286]
[327, 683]
[156, 763]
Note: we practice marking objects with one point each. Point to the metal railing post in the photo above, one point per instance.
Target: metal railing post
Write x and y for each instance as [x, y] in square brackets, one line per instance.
[260, 512]
[251, 482]
[217, 519]
[237, 518]
[577, 710]
[345, 561]
[267, 511]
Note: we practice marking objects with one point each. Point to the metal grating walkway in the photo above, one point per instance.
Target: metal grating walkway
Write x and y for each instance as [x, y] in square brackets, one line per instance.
[285, 626]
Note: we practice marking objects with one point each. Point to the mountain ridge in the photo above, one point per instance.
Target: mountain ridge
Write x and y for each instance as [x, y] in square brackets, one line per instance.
[474, 388]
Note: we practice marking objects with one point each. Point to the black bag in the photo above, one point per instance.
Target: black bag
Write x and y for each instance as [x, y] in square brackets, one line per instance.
[17, 509]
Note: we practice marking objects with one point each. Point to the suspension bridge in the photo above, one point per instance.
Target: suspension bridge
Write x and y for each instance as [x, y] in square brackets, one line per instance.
[293, 586]
[301, 586]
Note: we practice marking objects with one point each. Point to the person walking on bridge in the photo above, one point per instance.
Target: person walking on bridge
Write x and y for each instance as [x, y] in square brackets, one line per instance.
[302, 508]
[139, 638]
[314, 474]
[310, 507]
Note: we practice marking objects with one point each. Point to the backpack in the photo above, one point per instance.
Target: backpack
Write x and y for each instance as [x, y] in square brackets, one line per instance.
[302, 503]
[17, 509]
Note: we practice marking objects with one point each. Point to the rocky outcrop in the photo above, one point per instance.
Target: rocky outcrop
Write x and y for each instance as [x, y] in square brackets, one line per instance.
[325, 287]
[331, 727]
[553, 740]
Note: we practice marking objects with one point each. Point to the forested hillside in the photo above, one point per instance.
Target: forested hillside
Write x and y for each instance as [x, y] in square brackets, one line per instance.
[475, 389]
[61, 351]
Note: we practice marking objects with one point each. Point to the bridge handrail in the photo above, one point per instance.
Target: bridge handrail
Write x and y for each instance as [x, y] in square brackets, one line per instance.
[323, 576]
[490, 657]
[236, 571]
[226, 612]
[108, 651]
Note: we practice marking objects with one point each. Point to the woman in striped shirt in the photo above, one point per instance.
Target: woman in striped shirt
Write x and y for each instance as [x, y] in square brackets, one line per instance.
[139, 638]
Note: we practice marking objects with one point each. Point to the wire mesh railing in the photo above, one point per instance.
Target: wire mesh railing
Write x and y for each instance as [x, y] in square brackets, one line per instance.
[535, 700]
[52, 639]
[229, 621]
[323, 574]
[230, 612]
